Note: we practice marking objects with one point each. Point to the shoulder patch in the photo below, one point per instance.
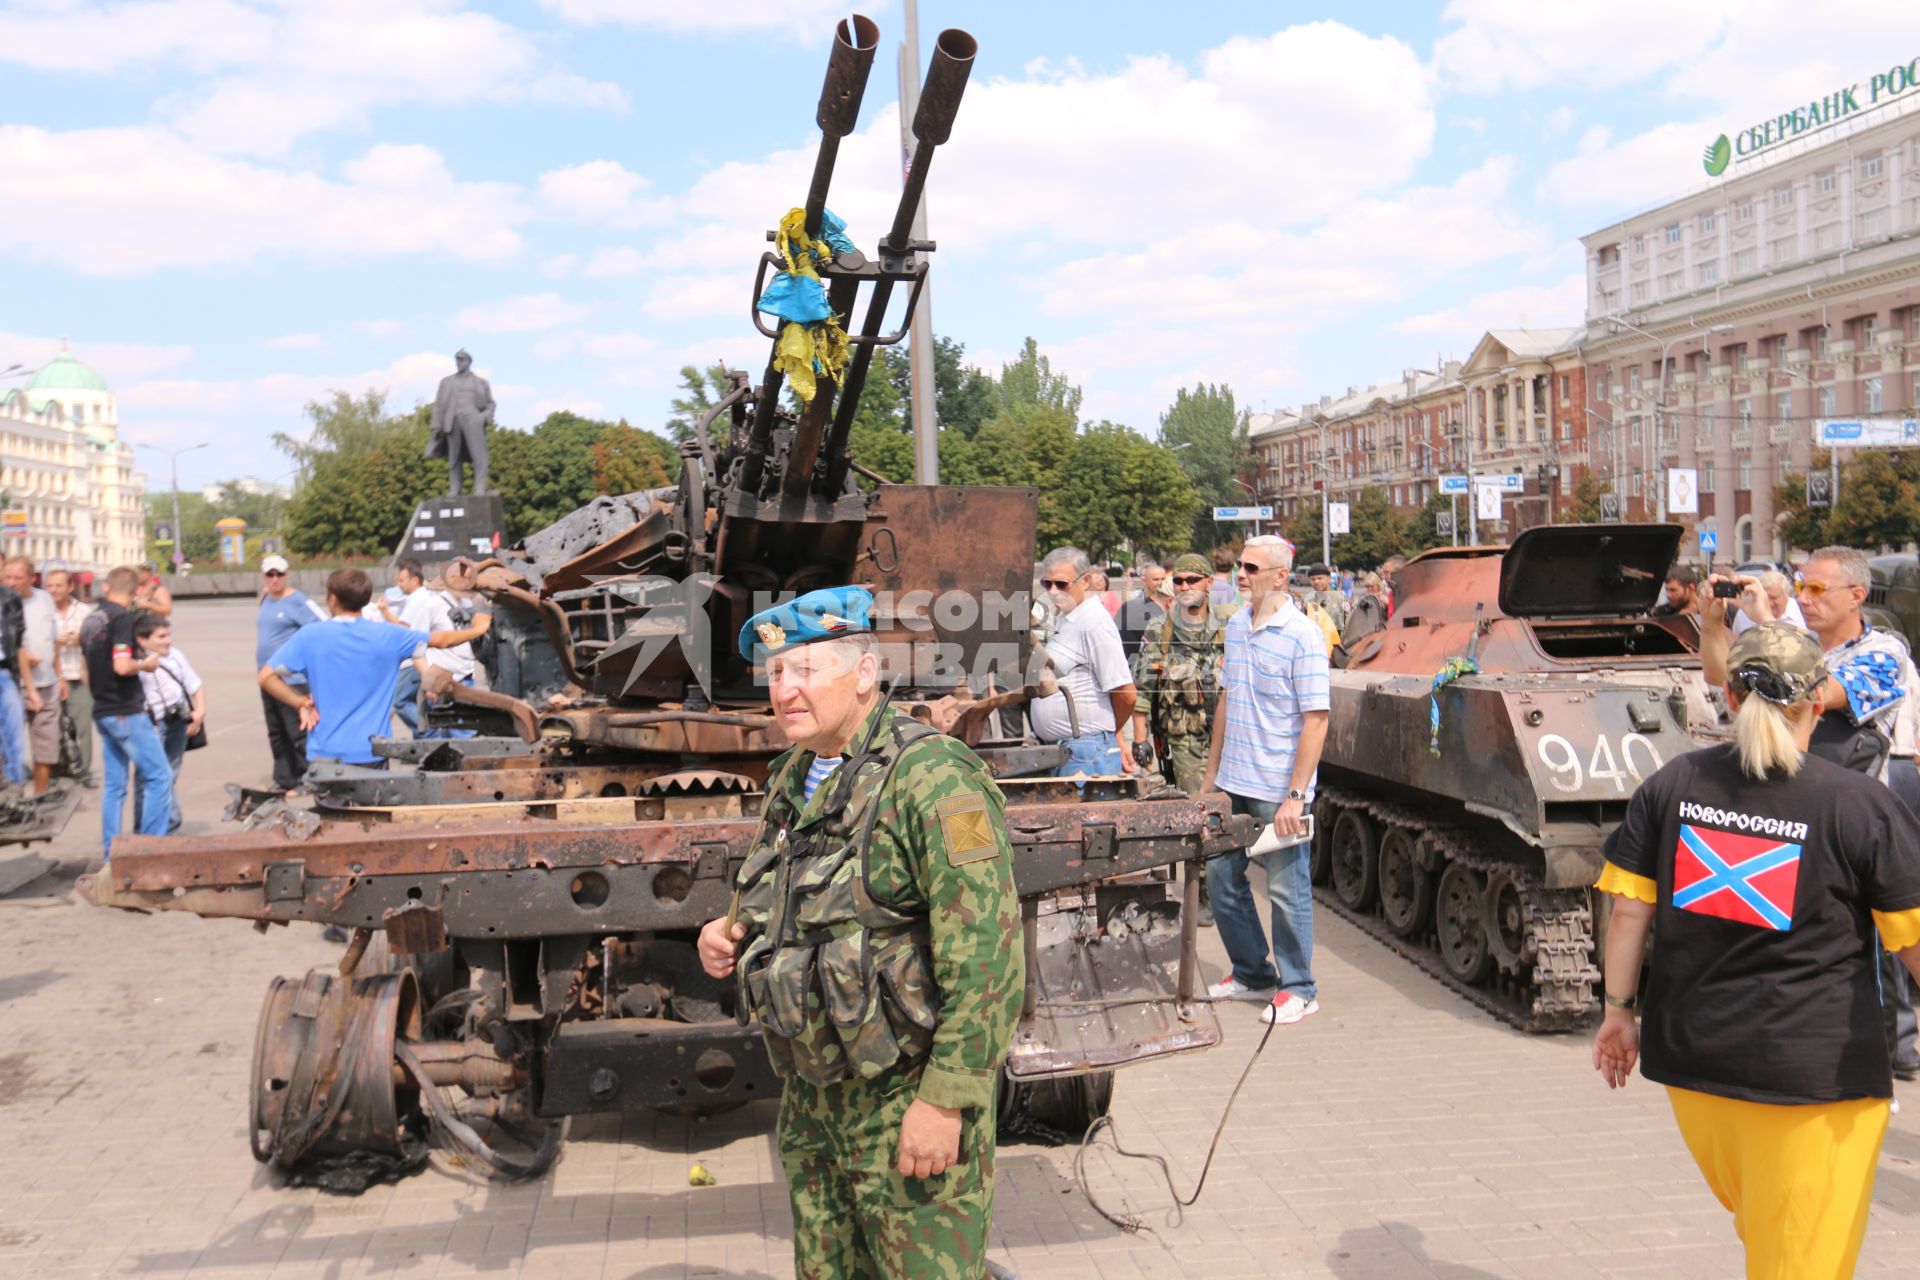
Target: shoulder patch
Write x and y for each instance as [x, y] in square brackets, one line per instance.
[967, 829]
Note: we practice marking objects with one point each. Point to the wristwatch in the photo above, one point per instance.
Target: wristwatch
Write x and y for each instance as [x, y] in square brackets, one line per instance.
[1295, 794]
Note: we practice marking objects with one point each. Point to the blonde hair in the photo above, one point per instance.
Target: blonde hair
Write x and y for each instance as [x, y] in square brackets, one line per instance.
[1764, 733]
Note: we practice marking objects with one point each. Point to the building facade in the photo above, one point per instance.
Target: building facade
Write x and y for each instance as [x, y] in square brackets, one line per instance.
[64, 466]
[1721, 325]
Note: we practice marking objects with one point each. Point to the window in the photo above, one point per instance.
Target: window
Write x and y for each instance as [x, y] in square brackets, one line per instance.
[1913, 323]
[1743, 211]
[1873, 395]
[1609, 300]
[1633, 380]
[1863, 332]
[1825, 182]
[1746, 413]
[1783, 406]
[1566, 388]
[1746, 262]
[1783, 196]
[1636, 484]
[1829, 399]
[1706, 223]
[1821, 342]
[1916, 390]
[1870, 165]
[1871, 225]
[1673, 233]
[1639, 245]
[1606, 384]
[1746, 474]
[1673, 282]
[1826, 239]
[1633, 428]
[79, 414]
[1640, 292]
[1609, 254]
[1708, 272]
[1781, 251]
[1779, 350]
[1706, 476]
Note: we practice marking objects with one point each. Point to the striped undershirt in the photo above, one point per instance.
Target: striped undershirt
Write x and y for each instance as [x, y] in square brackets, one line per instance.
[817, 773]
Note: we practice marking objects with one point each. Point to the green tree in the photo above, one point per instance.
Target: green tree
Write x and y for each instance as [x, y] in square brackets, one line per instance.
[342, 425]
[1879, 506]
[363, 474]
[965, 398]
[1028, 382]
[1303, 531]
[1803, 526]
[1210, 434]
[1375, 531]
[1118, 490]
[1582, 506]
[700, 390]
[1426, 527]
[626, 460]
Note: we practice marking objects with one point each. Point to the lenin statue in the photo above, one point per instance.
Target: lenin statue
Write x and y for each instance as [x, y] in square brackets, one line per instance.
[462, 412]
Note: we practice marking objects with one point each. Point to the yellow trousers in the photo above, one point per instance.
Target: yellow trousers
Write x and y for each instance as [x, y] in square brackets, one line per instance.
[1799, 1180]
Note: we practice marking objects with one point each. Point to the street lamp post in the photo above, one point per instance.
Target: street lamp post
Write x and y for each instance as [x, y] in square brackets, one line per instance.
[1660, 404]
[173, 459]
[1833, 454]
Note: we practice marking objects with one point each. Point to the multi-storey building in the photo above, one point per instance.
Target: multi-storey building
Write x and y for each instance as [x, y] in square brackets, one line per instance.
[1515, 406]
[1722, 324]
[63, 464]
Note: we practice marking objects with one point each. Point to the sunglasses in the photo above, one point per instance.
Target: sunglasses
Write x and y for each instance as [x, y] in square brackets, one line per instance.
[1815, 589]
[1249, 568]
[1776, 688]
[1188, 579]
[275, 573]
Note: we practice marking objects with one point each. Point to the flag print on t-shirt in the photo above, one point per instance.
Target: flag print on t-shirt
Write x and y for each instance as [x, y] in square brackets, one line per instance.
[1746, 878]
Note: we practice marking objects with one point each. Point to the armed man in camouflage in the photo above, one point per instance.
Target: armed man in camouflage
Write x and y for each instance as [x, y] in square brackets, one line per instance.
[876, 936]
[1177, 671]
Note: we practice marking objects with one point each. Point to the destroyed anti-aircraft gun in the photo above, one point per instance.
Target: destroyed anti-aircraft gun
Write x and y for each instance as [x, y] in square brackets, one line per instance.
[531, 895]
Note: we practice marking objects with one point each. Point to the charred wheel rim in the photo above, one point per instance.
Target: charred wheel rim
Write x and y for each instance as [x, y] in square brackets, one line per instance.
[1460, 921]
[1356, 860]
[1320, 854]
[1406, 890]
[1506, 922]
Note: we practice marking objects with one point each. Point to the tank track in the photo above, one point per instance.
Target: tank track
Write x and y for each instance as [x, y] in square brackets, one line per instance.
[1554, 985]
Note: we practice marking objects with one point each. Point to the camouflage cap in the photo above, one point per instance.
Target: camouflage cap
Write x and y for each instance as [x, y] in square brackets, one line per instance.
[1193, 562]
[1778, 661]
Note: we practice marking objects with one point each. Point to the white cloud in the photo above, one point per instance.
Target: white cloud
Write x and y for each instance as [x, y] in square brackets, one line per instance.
[1560, 304]
[603, 192]
[621, 346]
[177, 206]
[613, 264]
[572, 402]
[1630, 173]
[1523, 44]
[385, 327]
[530, 313]
[294, 342]
[120, 363]
[804, 19]
[103, 39]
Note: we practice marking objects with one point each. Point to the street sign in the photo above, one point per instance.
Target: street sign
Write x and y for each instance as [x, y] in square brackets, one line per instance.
[1866, 433]
[1455, 485]
[1337, 518]
[163, 533]
[1486, 503]
[1514, 483]
[1243, 513]
[1683, 491]
[1443, 524]
[1819, 489]
[13, 524]
[1709, 542]
[1610, 507]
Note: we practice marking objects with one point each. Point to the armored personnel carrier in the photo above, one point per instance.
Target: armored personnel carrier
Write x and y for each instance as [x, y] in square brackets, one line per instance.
[525, 901]
[1484, 743]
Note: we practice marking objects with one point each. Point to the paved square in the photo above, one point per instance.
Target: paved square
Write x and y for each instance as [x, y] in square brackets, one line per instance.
[1398, 1133]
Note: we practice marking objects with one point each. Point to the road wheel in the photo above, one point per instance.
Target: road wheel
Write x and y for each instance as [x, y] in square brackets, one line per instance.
[1320, 852]
[1506, 922]
[1356, 860]
[1406, 889]
[1460, 919]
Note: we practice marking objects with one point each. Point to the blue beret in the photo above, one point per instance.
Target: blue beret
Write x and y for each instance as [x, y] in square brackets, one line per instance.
[826, 614]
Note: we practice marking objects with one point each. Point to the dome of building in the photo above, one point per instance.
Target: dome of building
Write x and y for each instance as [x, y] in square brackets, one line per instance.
[64, 373]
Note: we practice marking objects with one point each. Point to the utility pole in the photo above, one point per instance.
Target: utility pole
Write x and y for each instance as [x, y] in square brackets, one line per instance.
[920, 357]
[173, 458]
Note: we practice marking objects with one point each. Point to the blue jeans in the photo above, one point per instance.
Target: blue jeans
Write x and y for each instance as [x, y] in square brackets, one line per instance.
[406, 698]
[13, 732]
[1095, 754]
[431, 732]
[1289, 889]
[133, 741]
[173, 740]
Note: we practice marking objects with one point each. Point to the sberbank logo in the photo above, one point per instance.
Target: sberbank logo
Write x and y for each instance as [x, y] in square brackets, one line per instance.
[1718, 156]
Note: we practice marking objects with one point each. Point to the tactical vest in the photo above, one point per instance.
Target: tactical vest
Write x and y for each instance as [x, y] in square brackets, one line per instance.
[1186, 683]
[841, 981]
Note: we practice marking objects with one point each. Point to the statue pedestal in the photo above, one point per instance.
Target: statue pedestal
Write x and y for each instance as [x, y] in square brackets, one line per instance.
[472, 525]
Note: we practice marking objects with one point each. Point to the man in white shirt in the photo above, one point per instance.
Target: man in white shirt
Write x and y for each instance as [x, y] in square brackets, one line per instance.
[40, 689]
[1086, 653]
[425, 610]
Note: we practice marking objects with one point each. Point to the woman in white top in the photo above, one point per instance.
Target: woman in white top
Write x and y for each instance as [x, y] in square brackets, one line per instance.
[176, 703]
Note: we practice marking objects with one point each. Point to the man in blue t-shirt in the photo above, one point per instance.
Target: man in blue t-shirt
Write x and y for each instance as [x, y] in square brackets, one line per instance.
[283, 611]
[349, 665]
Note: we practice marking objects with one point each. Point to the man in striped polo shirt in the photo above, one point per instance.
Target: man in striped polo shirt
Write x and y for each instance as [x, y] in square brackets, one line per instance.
[1267, 736]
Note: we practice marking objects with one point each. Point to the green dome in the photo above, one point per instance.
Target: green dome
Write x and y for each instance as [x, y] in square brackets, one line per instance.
[64, 373]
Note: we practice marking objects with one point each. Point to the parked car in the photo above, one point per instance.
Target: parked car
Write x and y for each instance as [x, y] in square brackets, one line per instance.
[1893, 601]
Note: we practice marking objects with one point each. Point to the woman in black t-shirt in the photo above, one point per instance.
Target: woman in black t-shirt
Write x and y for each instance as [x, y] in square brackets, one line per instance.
[1768, 872]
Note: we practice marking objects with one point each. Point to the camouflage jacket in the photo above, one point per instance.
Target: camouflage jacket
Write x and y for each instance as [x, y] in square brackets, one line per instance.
[1177, 673]
[882, 921]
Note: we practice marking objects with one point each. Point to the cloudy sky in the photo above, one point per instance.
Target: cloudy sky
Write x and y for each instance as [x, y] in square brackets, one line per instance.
[231, 207]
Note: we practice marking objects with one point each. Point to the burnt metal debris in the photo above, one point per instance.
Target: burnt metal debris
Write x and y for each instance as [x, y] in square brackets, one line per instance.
[527, 900]
[1463, 807]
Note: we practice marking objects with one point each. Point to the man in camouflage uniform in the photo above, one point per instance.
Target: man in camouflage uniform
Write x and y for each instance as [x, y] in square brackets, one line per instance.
[877, 939]
[1177, 671]
[1320, 579]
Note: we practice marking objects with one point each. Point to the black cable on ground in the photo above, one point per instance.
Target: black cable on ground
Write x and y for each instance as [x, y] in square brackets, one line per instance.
[1129, 1223]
